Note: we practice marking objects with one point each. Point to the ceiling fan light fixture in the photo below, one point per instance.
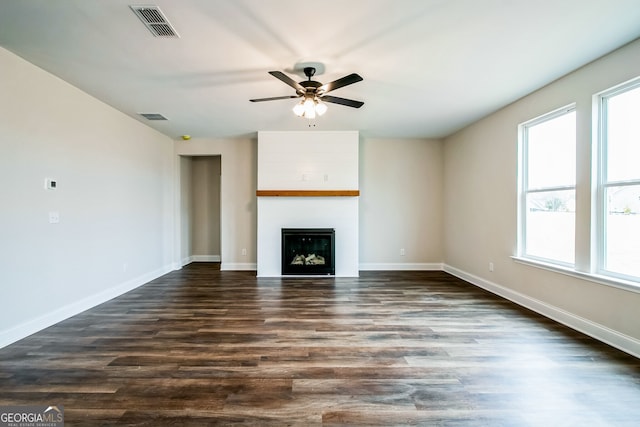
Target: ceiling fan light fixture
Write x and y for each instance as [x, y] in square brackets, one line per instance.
[321, 108]
[298, 109]
[309, 108]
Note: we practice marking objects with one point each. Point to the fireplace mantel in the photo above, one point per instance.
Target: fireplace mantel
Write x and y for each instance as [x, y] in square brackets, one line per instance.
[308, 193]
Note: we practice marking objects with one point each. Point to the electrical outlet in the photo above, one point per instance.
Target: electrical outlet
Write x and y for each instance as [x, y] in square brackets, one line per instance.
[244, 251]
[401, 251]
[490, 266]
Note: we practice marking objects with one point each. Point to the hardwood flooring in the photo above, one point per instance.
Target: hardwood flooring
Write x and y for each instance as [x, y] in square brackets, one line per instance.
[204, 347]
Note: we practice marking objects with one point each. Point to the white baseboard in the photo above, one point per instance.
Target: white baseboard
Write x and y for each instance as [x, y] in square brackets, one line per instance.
[239, 266]
[30, 327]
[205, 258]
[595, 330]
[373, 266]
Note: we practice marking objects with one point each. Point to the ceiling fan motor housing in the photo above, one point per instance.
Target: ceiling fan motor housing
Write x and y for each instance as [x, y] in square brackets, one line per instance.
[309, 72]
[311, 86]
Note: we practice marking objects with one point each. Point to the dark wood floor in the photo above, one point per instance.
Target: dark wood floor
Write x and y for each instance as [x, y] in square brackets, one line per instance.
[204, 347]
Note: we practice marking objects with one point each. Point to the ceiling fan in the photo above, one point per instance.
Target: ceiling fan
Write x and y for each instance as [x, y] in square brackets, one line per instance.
[313, 93]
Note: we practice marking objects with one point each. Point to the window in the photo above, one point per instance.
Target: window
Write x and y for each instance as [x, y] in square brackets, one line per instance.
[547, 177]
[547, 186]
[618, 189]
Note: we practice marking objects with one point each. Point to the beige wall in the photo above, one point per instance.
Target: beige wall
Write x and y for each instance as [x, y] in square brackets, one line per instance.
[184, 210]
[480, 208]
[115, 200]
[238, 168]
[401, 203]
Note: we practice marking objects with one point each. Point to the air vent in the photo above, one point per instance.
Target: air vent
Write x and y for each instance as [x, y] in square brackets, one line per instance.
[153, 116]
[155, 21]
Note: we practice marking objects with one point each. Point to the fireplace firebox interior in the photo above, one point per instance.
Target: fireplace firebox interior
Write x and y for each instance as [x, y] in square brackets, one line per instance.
[308, 251]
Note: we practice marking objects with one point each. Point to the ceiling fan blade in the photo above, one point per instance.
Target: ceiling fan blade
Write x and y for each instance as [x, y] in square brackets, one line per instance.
[274, 98]
[288, 80]
[342, 101]
[344, 81]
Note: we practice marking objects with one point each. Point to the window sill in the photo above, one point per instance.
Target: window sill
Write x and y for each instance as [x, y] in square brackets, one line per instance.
[596, 278]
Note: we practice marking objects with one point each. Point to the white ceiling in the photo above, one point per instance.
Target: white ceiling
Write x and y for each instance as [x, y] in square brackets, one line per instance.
[430, 67]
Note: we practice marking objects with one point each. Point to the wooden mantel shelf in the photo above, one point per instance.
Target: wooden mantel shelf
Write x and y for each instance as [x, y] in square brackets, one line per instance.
[307, 193]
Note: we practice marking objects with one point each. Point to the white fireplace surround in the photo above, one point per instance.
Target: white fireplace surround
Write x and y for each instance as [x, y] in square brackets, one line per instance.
[307, 164]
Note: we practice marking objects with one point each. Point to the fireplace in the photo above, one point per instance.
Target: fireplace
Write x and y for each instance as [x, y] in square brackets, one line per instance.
[307, 179]
[308, 251]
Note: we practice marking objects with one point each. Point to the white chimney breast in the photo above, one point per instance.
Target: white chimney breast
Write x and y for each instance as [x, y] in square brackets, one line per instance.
[301, 160]
[305, 161]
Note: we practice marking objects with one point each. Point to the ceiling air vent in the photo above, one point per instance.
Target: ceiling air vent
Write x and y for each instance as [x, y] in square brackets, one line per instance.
[155, 21]
[153, 116]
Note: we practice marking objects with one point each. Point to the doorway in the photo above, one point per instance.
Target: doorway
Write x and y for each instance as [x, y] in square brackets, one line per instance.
[200, 181]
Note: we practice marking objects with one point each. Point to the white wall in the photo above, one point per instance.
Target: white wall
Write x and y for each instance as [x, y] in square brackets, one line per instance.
[115, 200]
[401, 204]
[308, 160]
[480, 208]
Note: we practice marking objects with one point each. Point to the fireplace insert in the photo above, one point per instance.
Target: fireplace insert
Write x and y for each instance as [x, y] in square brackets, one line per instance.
[308, 251]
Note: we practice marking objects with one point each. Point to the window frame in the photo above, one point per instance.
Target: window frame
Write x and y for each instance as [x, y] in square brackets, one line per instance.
[523, 185]
[601, 182]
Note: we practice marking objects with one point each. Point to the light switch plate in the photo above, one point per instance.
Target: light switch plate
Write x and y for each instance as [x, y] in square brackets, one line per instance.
[50, 184]
[54, 217]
